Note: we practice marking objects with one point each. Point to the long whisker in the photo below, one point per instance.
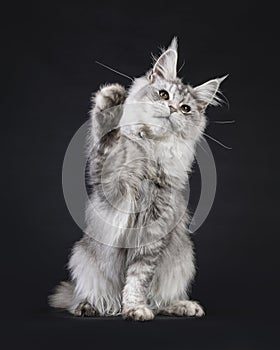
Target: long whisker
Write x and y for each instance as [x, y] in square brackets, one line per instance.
[181, 66]
[222, 121]
[114, 70]
[224, 98]
[218, 142]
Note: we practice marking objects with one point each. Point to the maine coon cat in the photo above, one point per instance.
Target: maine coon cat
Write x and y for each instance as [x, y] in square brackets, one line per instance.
[136, 257]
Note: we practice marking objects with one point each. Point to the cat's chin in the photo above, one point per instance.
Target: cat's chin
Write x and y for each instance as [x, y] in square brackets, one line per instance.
[163, 123]
[167, 116]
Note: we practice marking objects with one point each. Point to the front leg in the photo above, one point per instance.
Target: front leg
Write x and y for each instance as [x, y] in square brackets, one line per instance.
[142, 263]
[107, 109]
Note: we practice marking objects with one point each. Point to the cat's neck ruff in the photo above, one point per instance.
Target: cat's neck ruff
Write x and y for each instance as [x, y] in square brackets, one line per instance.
[171, 151]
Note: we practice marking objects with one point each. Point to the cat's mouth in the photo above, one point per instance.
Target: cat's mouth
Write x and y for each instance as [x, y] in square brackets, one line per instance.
[167, 121]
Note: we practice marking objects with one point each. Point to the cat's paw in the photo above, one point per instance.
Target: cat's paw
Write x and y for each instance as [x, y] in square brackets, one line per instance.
[110, 96]
[138, 313]
[184, 308]
[85, 309]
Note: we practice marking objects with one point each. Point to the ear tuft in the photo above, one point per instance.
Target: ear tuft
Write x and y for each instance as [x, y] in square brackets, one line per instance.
[165, 66]
[207, 93]
[222, 78]
[174, 44]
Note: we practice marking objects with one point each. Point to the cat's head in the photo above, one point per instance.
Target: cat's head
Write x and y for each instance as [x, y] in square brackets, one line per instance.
[164, 104]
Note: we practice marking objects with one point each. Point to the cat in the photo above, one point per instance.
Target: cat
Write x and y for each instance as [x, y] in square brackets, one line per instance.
[136, 257]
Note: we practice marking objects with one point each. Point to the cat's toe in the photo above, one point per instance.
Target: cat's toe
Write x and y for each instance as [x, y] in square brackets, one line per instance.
[110, 96]
[85, 309]
[192, 308]
[199, 312]
[138, 313]
[184, 308]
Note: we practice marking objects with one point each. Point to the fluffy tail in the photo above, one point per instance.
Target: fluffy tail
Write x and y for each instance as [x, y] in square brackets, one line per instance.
[63, 296]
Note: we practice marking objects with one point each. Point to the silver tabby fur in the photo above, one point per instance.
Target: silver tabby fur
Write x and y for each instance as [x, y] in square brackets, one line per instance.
[136, 257]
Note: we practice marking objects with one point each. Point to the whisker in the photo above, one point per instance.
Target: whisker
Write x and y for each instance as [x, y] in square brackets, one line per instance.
[224, 98]
[181, 66]
[222, 121]
[114, 70]
[218, 142]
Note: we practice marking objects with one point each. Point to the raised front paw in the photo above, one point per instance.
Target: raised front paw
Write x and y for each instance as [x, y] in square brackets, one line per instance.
[110, 96]
[184, 308]
[85, 309]
[137, 313]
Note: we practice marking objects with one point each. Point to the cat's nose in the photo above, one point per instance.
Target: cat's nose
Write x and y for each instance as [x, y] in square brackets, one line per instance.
[172, 109]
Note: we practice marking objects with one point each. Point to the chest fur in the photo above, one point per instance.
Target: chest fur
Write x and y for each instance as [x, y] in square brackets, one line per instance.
[175, 158]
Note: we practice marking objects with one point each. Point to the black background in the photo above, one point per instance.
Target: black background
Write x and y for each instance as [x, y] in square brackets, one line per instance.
[49, 51]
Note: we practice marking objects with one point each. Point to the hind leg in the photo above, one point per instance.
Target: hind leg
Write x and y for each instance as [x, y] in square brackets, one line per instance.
[174, 276]
[98, 286]
[183, 308]
[85, 309]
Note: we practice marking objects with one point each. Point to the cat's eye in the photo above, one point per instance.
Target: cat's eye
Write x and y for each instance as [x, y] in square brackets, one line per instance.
[164, 94]
[185, 108]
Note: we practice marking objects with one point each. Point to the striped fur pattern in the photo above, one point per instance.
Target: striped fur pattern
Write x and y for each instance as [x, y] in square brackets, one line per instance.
[136, 257]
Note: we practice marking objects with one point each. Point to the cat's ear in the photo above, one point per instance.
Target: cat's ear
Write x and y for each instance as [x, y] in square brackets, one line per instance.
[207, 93]
[166, 65]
